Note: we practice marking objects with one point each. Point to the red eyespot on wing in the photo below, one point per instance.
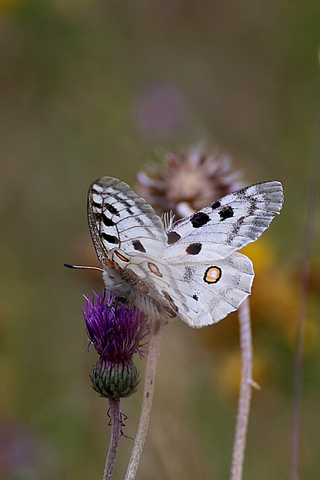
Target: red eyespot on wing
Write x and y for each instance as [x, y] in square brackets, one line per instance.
[154, 269]
[212, 275]
[122, 257]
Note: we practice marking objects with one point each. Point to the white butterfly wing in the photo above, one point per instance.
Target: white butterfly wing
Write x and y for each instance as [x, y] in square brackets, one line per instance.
[118, 218]
[225, 225]
[220, 287]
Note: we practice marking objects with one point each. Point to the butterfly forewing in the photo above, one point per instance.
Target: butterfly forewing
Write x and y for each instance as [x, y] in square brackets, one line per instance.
[118, 218]
[225, 225]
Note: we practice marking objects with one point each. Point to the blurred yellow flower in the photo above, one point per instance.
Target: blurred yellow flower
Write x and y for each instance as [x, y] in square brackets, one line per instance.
[227, 376]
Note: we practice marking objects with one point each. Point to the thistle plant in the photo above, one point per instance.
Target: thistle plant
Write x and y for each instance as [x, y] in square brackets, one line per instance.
[117, 331]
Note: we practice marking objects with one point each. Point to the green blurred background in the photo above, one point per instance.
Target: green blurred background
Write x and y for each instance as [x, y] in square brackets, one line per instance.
[92, 88]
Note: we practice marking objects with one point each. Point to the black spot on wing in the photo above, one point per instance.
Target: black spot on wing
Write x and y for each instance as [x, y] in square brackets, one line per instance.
[195, 297]
[107, 221]
[194, 248]
[110, 238]
[199, 219]
[96, 204]
[226, 212]
[137, 245]
[173, 237]
[215, 205]
[111, 209]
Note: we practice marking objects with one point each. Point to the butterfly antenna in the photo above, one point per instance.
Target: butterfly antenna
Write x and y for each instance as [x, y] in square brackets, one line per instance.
[69, 265]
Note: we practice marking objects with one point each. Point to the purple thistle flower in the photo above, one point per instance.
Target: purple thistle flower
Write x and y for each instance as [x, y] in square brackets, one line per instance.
[117, 331]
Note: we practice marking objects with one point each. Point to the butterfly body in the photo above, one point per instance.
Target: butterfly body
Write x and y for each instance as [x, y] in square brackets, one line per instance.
[191, 269]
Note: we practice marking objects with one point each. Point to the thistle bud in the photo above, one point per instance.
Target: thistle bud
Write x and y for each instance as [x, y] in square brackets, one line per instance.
[117, 331]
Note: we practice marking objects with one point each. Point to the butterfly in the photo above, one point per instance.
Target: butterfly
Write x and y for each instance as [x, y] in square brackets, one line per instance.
[190, 268]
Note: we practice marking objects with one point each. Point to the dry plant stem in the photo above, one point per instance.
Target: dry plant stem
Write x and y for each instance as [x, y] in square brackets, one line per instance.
[297, 379]
[115, 418]
[149, 382]
[245, 392]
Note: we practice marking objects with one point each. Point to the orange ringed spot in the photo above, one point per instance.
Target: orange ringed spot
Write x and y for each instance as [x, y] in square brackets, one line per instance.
[212, 275]
[154, 269]
[122, 257]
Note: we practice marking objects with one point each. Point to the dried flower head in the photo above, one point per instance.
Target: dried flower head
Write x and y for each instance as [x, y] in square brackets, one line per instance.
[188, 181]
[117, 331]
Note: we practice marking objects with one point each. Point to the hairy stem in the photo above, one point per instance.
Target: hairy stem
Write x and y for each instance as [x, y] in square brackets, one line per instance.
[245, 391]
[115, 418]
[149, 382]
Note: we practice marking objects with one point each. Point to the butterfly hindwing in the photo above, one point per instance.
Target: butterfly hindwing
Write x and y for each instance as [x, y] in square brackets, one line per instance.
[221, 286]
[166, 283]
